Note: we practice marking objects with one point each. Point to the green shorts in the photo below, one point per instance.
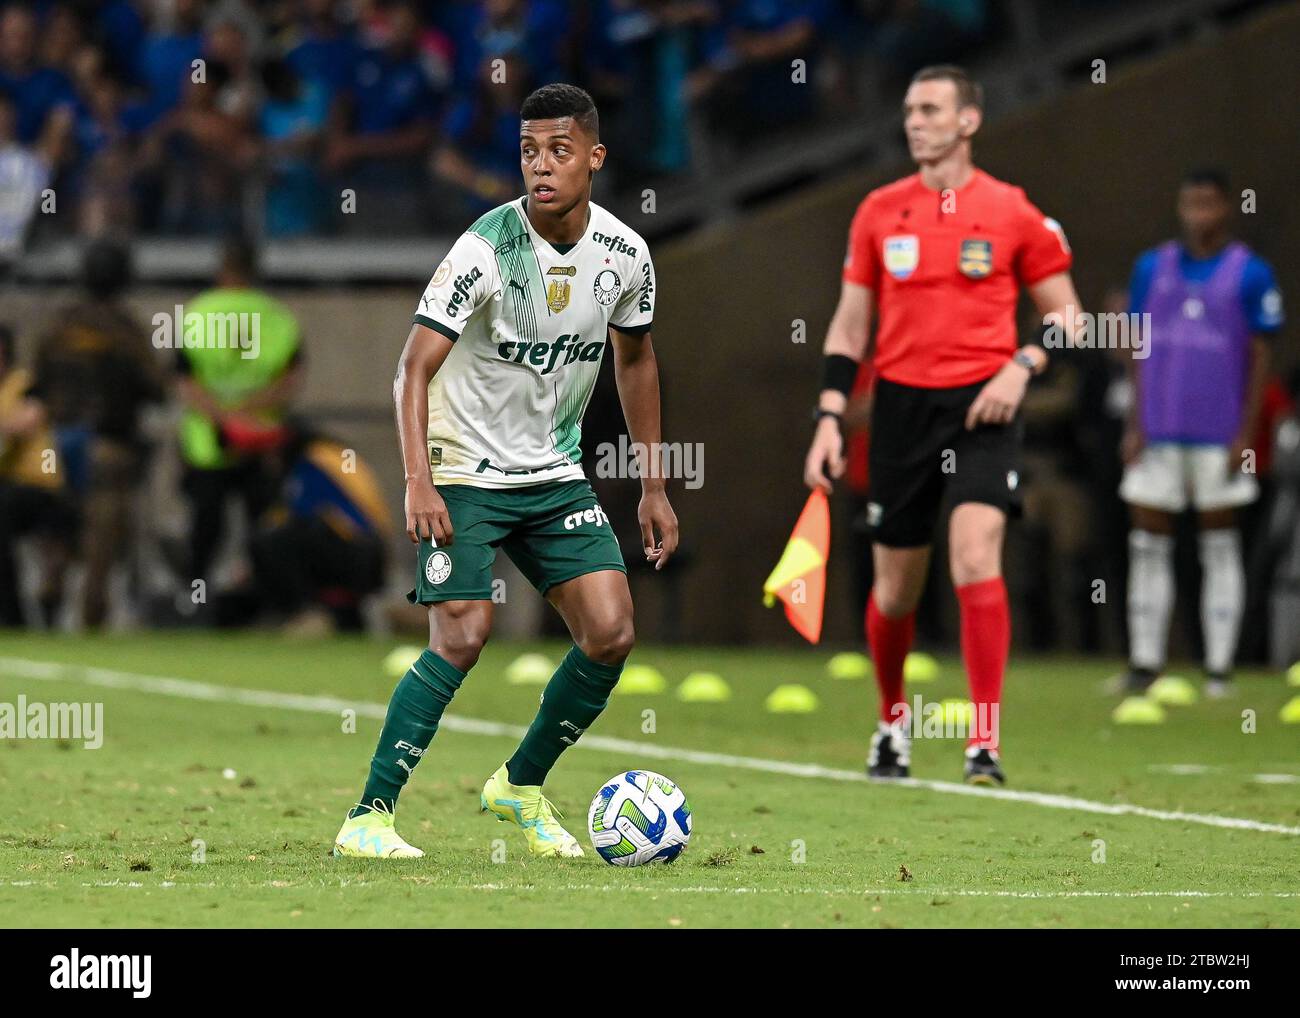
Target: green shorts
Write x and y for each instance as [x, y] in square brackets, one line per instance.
[552, 532]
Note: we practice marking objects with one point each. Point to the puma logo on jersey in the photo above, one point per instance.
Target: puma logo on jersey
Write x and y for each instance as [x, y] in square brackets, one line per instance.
[547, 355]
[461, 287]
[594, 515]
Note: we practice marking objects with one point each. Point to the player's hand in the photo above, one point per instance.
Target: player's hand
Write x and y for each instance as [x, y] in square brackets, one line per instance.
[426, 514]
[655, 514]
[1131, 445]
[825, 459]
[1000, 398]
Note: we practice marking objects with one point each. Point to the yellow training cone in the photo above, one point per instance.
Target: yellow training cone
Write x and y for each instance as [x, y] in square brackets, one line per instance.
[641, 679]
[1138, 710]
[704, 687]
[1172, 691]
[919, 667]
[791, 699]
[849, 665]
[957, 712]
[399, 660]
[530, 670]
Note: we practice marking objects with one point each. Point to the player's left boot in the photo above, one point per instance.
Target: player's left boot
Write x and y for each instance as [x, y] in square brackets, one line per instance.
[526, 806]
[371, 835]
[982, 767]
[1218, 685]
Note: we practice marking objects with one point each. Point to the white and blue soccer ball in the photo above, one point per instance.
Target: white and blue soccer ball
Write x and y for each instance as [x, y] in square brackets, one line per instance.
[639, 817]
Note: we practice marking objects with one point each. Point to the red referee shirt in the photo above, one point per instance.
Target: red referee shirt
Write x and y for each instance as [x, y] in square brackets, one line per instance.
[946, 268]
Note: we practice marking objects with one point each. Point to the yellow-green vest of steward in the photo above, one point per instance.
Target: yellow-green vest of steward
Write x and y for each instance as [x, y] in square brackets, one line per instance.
[236, 342]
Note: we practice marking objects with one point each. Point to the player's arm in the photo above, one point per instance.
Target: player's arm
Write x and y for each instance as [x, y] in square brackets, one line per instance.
[636, 372]
[1043, 264]
[1262, 302]
[1260, 359]
[845, 347]
[422, 356]
[998, 401]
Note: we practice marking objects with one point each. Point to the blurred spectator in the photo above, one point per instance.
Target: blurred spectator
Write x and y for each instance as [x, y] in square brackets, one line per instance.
[479, 157]
[95, 372]
[322, 50]
[202, 150]
[35, 90]
[382, 126]
[321, 548]
[748, 82]
[30, 491]
[913, 33]
[536, 33]
[106, 139]
[643, 56]
[25, 171]
[292, 124]
[167, 54]
[235, 385]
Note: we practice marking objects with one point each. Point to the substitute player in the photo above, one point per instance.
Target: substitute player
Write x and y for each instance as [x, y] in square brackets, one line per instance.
[490, 393]
[1214, 304]
[940, 257]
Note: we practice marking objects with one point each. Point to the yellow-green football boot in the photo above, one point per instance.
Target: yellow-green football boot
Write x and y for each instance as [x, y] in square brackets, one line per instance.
[526, 806]
[372, 836]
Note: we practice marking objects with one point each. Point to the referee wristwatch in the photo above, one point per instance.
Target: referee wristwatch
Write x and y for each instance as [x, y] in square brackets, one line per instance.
[1026, 362]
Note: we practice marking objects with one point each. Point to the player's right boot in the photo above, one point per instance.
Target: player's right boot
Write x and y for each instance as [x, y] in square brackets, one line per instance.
[371, 835]
[1136, 681]
[891, 752]
[526, 806]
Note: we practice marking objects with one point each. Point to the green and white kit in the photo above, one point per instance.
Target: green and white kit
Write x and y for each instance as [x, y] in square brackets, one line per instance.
[529, 323]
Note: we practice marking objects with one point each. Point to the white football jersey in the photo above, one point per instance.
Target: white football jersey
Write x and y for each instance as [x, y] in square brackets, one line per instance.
[529, 326]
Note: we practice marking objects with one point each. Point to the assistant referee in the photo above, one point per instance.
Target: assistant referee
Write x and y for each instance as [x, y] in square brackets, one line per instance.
[940, 256]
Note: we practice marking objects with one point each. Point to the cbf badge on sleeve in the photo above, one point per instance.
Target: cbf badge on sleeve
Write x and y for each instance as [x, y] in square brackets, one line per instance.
[901, 255]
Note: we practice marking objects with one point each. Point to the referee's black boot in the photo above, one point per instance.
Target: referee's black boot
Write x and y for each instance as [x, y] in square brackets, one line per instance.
[891, 753]
[982, 767]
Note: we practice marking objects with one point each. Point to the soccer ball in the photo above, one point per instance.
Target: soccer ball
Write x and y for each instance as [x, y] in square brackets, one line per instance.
[639, 817]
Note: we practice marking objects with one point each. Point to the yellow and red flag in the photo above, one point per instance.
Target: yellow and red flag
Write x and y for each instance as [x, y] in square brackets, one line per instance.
[799, 579]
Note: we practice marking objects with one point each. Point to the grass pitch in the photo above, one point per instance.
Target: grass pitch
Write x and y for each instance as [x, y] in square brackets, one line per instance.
[107, 837]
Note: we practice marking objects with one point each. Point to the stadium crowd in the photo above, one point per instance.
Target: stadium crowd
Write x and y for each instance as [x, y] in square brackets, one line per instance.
[181, 116]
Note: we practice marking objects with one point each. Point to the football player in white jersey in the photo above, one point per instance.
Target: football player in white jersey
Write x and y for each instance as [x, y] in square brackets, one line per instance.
[497, 370]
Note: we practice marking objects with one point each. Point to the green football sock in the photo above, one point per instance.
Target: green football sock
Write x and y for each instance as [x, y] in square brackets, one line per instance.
[413, 715]
[573, 699]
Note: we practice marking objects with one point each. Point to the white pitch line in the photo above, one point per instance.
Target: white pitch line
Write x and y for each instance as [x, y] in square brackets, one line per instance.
[704, 889]
[195, 690]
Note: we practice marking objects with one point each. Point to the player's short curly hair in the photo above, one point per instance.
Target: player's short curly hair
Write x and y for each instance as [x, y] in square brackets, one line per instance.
[551, 102]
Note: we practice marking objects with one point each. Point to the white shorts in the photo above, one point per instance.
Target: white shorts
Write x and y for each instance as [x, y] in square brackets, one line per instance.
[1168, 476]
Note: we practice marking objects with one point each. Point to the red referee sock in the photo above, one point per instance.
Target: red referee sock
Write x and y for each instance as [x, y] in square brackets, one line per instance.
[985, 644]
[889, 640]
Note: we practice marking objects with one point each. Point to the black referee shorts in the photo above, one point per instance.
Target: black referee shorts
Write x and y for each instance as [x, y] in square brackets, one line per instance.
[919, 451]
